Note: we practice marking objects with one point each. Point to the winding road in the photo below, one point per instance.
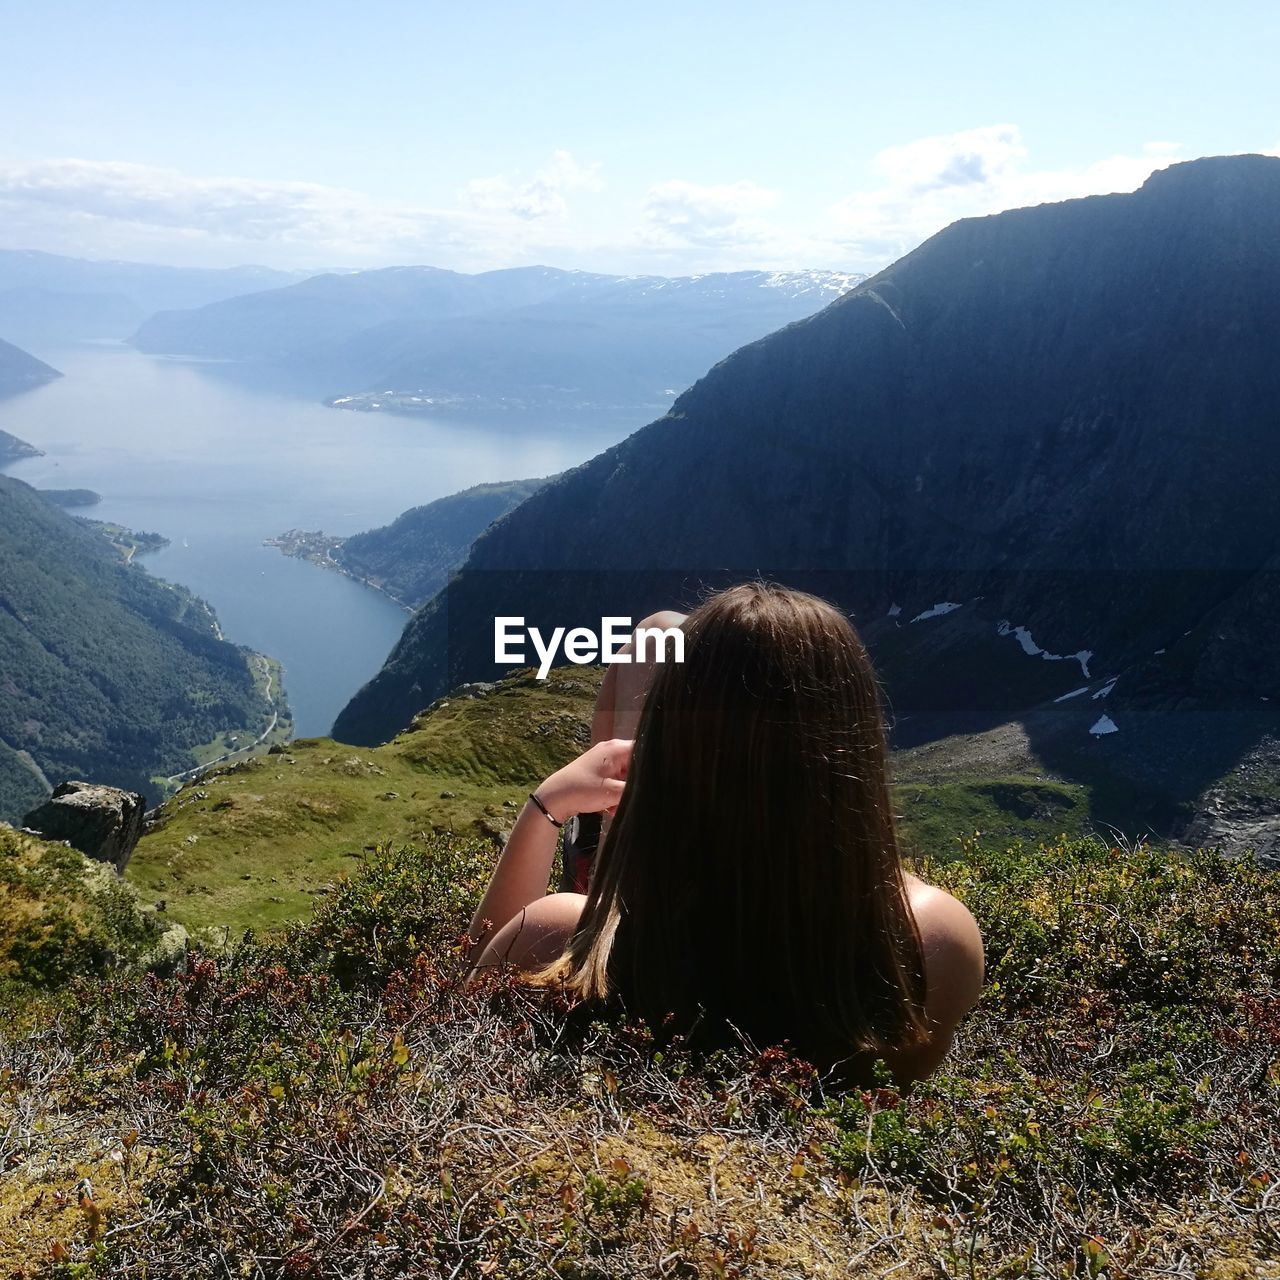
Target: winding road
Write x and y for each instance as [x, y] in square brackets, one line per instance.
[239, 751]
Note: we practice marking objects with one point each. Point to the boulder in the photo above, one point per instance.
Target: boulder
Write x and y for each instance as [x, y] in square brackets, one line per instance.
[104, 823]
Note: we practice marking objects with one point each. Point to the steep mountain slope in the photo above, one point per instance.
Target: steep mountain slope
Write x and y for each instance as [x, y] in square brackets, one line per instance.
[420, 339]
[105, 672]
[1047, 434]
[47, 298]
[11, 449]
[411, 558]
[21, 372]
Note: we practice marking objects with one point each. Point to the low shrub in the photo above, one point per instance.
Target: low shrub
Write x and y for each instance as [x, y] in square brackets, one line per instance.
[331, 1103]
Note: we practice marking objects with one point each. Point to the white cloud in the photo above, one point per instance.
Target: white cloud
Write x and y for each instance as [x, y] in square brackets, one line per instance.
[541, 197]
[917, 188]
[926, 184]
[118, 209]
[107, 202]
[972, 159]
[681, 213]
[96, 208]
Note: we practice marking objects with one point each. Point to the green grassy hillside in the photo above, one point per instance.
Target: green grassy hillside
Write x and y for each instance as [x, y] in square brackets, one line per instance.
[253, 844]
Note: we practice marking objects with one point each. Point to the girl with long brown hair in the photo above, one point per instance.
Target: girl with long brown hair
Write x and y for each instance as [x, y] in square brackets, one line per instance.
[750, 877]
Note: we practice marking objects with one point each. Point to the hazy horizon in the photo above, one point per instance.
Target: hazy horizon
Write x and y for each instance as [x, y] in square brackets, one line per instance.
[666, 142]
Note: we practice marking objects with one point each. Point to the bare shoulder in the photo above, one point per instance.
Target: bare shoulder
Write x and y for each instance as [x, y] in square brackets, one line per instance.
[953, 953]
[537, 935]
[953, 971]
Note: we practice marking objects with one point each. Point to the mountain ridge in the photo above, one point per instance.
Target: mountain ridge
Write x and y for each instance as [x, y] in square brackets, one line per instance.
[48, 298]
[422, 339]
[966, 427]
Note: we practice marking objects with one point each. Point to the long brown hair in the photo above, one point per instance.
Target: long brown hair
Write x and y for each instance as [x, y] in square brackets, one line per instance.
[751, 876]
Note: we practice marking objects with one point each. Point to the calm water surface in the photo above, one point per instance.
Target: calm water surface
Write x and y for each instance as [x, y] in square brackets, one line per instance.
[180, 449]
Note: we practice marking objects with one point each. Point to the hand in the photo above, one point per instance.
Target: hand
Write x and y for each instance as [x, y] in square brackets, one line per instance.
[592, 783]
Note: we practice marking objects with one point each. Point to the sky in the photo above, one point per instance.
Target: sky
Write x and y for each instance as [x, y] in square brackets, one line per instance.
[658, 137]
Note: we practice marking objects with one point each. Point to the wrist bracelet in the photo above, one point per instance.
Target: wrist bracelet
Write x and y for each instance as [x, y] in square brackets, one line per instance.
[533, 795]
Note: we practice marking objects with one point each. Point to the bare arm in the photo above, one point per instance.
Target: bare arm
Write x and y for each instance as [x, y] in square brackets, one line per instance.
[521, 877]
[592, 782]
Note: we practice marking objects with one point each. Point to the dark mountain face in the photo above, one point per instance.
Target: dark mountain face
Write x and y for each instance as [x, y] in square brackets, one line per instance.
[21, 372]
[421, 339]
[1064, 422]
[411, 558]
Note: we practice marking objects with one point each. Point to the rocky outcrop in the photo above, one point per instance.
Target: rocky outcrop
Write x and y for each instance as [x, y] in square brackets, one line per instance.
[104, 823]
[1241, 815]
[1249, 826]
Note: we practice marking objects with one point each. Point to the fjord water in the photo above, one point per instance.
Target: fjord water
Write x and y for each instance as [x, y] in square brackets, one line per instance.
[216, 466]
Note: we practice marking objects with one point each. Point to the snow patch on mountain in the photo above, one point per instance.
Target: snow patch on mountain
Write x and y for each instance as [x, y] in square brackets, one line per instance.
[1075, 693]
[1029, 646]
[938, 610]
[798, 284]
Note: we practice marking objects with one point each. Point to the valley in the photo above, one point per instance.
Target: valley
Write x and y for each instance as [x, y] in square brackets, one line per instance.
[209, 469]
[504, 345]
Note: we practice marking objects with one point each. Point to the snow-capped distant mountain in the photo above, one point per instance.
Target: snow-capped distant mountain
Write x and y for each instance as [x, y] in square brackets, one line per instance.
[420, 339]
[827, 284]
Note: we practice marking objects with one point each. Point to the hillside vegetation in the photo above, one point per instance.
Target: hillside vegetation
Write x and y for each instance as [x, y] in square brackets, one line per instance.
[322, 1099]
[253, 844]
[329, 1103]
[411, 558]
[64, 916]
[106, 673]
